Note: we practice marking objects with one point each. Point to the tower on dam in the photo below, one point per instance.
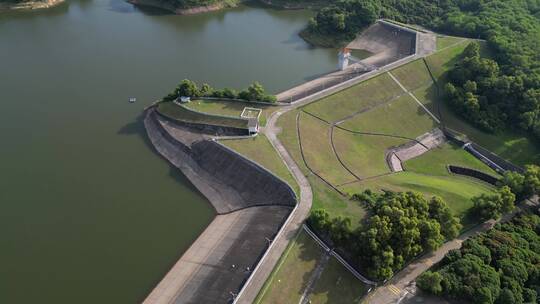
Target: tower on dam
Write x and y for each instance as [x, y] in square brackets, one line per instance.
[343, 58]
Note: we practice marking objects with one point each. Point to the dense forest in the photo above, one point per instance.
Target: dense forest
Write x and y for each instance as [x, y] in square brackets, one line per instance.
[494, 94]
[499, 266]
[401, 226]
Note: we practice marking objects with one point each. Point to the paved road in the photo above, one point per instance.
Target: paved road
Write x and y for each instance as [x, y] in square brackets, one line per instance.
[402, 283]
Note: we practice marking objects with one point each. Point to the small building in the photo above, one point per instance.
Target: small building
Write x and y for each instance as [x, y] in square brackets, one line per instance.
[253, 125]
[183, 99]
[343, 58]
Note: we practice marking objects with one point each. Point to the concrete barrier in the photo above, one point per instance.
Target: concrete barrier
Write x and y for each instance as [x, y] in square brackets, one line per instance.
[474, 174]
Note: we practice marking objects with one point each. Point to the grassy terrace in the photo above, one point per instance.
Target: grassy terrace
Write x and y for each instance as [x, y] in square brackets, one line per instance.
[446, 41]
[357, 98]
[261, 151]
[351, 162]
[289, 280]
[230, 108]
[401, 117]
[180, 113]
[364, 154]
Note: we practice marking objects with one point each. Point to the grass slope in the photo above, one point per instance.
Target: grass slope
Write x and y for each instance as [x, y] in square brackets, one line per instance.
[435, 162]
[318, 152]
[261, 151]
[413, 75]
[287, 283]
[446, 41]
[230, 108]
[364, 154]
[401, 117]
[354, 99]
[180, 113]
[323, 195]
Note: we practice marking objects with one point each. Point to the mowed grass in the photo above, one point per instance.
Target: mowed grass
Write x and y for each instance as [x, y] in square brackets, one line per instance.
[323, 195]
[455, 190]
[446, 41]
[230, 108]
[261, 151]
[365, 155]
[401, 117]
[180, 113]
[318, 153]
[413, 75]
[435, 162]
[287, 282]
[337, 286]
[289, 279]
[354, 99]
[440, 62]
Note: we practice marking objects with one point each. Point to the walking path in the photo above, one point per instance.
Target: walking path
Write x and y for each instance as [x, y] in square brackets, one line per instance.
[396, 288]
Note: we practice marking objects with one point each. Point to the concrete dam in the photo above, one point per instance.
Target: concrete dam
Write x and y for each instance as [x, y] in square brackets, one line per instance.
[252, 204]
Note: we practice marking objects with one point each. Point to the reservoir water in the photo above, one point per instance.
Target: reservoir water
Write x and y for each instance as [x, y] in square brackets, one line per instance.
[88, 212]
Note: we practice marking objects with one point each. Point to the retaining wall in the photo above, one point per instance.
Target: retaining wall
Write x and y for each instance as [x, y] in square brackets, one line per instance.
[474, 174]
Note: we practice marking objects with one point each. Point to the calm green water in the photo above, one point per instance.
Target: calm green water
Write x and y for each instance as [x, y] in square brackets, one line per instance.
[89, 213]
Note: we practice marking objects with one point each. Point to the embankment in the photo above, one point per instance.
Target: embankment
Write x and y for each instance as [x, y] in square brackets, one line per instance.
[29, 5]
[169, 6]
[252, 205]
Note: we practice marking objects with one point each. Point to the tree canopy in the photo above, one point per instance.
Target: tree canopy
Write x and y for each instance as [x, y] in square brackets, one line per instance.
[401, 226]
[499, 266]
[255, 92]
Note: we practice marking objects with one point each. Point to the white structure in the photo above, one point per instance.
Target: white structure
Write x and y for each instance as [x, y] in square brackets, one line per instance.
[253, 125]
[184, 99]
[343, 58]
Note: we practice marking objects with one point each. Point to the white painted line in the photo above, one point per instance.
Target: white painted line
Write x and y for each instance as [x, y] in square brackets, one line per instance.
[414, 97]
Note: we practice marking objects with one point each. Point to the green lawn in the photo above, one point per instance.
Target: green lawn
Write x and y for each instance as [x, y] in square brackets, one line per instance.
[413, 75]
[354, 99]
[318, 152]
[401, 117]
[457, 191]
[446, 41]
[178, 112]
[337, 286]
[442, 61]
[323, 195]
[230, 108]
[365, 155]
[261, 151]
[435, 162]
[288, 281]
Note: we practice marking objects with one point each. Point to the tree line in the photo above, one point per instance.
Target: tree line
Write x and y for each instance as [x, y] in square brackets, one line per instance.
[188, 88]
[500, 266]
[401, 226]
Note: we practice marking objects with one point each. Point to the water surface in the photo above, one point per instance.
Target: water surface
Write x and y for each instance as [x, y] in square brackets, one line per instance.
[89, 213]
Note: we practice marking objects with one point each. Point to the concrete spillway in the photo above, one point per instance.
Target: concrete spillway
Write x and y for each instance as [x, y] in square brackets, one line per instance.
[252, 205]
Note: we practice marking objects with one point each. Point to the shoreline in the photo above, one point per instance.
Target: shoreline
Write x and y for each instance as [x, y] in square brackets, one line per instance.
[30, 5]
[182, 11]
